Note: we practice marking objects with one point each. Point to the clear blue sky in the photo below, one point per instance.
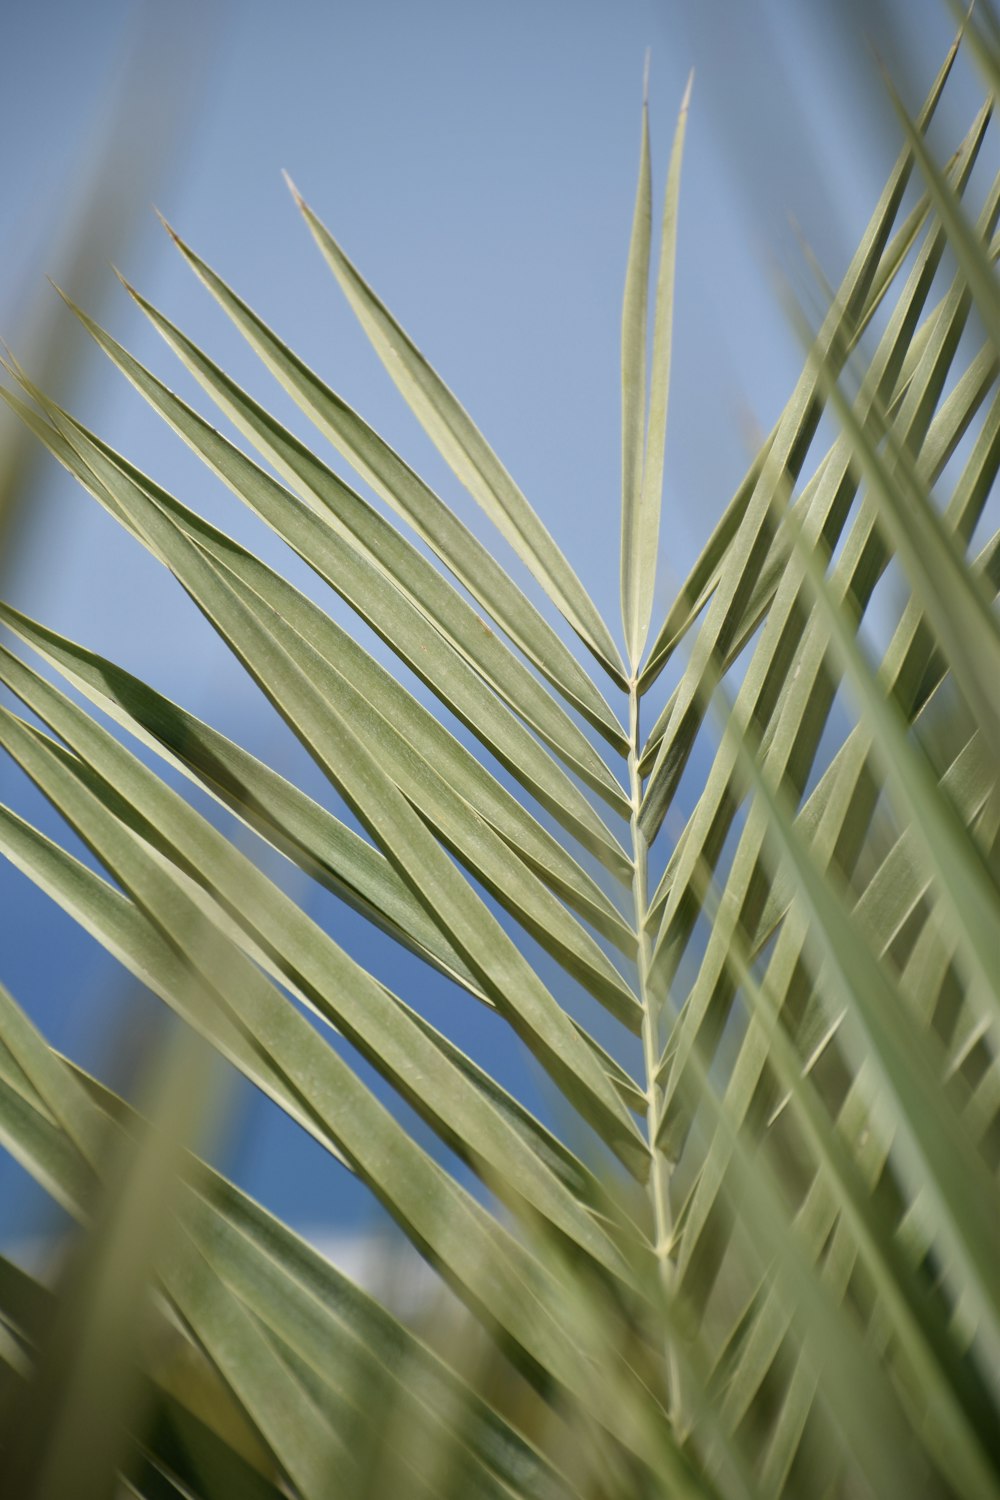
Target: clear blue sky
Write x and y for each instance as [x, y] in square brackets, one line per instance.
[478, 162]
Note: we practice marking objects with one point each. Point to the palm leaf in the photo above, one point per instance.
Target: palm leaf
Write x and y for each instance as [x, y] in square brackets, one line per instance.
[753, 1241]
[459, 441]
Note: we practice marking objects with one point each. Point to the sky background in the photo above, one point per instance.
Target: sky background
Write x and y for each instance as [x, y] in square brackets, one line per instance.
[478, 163]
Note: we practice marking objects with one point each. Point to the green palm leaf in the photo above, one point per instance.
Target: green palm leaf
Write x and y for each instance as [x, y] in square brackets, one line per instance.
[749, 1248]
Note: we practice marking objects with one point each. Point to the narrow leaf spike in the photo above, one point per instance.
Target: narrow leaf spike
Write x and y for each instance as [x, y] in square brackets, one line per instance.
[464, 448]
[634, 319]
[659, 387]
[643, 455]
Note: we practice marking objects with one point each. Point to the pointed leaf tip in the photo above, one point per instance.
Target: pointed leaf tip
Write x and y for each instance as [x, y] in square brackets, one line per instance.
[644, 434]
[169, 228]
[67, 299]
[300, 202]
[10, 362]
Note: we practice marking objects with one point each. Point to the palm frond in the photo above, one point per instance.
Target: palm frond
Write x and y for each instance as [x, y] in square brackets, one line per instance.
[753, 1241]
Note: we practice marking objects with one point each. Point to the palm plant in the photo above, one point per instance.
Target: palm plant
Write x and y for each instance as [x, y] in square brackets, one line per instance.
[769, 1265]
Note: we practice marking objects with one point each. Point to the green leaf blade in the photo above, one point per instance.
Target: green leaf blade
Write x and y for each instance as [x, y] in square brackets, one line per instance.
[466, 450]
[633, 368]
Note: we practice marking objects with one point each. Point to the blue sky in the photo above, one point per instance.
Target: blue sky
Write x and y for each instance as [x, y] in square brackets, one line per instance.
[478, 162]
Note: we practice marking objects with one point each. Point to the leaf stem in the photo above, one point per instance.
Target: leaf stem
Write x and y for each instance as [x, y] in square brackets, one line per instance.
[658, 1193]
